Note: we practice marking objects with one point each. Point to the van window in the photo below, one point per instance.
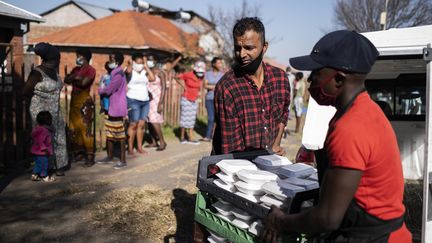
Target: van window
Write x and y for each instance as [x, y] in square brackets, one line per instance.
[403, 98]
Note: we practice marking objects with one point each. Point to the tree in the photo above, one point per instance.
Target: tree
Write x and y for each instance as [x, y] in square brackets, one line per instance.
[225, 20]
[364, 15]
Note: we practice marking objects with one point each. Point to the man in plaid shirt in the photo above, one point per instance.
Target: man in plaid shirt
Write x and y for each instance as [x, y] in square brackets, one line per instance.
[252, 99]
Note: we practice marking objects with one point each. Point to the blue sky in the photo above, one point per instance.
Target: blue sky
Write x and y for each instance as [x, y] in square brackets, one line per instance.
[295, 24]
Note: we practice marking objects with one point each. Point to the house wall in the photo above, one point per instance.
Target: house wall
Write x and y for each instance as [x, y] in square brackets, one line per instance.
[66, 16]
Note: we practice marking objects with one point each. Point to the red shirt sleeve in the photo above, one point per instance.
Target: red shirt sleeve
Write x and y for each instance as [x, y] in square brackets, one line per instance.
[347, 146]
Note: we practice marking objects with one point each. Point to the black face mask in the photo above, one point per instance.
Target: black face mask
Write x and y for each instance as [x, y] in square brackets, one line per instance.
[252, 67]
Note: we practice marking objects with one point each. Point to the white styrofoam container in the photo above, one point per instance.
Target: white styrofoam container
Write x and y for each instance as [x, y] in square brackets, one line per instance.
[272, 160]
[226, 178]
[212, 239]
[249, 197]
[243, 215]
[256, 227]
[223, 209]
[257, 177]
[270, 200]
[281, 190]
[306, 184]
[295, 170]
[228, 218]
[232, 166]
[247, 188]
[223, 185]
[217, 237]
[313, 177]
[241, 223]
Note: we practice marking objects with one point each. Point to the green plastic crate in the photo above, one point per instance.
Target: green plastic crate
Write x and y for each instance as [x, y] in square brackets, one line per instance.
[210, 220]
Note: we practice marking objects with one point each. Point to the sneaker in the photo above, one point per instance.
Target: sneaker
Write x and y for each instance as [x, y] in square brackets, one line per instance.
[105, 161]
[35, 177]
[205, 139]
[119, 165]
[184, 141]
[194, 142]
[48, 179]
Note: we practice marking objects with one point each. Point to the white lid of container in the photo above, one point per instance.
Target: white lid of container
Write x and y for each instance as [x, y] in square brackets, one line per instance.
[313, 177]
[225, 186]
[256, 176]
[272, 160]
[270, 200]
[305, 183]
[256, 227]
[251, 189]
[226, 178]
[243, 215]
[228, 218]
[223, 209]
[281, 190]
[241, 223]
[216, 236]
[296, 170]
[232, 166]
[251, 198]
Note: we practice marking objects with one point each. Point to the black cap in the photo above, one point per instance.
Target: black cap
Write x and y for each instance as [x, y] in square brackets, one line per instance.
[343, 50]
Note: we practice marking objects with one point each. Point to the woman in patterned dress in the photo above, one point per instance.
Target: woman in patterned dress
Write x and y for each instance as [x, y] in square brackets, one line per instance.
[43, 86]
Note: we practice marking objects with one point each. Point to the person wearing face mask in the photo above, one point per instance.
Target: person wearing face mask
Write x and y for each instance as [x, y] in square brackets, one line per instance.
[117, 110]
[359, 168]
[192, 83]
[138, 74]
[43, 88]
[252, 99]
[155, 116]
[81, 115]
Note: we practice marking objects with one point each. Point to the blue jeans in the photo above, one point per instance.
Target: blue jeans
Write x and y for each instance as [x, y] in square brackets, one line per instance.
[41, 165]
[137, 109]
[210, 117]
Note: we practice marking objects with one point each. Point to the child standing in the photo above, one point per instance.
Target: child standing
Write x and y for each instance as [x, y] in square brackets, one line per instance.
[42, 146]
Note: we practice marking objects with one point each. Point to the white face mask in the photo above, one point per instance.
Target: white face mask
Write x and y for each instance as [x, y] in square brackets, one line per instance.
[150, 64]
[112, 65]
[137, 67]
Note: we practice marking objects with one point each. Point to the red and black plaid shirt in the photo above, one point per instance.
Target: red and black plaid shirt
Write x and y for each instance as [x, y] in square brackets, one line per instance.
[248, 118]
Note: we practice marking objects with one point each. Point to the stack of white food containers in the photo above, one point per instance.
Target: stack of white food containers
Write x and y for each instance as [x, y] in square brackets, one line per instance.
[275, 182]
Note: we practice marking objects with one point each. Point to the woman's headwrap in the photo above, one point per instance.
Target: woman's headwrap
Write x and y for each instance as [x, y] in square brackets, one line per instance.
[47, 51]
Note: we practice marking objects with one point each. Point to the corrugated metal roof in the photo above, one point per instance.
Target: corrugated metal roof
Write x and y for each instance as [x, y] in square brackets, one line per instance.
[185, 27]
[96, 11]
[9, 10]
[141, 31]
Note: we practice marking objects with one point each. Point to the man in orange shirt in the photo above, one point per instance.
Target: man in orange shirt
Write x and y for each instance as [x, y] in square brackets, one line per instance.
[361, 179]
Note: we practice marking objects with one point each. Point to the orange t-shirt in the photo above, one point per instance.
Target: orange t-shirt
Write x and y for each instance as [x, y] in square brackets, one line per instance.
[363, 139]
[192, 85]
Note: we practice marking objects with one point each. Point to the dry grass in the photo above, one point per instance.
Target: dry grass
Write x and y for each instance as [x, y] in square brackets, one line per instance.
[144, 212]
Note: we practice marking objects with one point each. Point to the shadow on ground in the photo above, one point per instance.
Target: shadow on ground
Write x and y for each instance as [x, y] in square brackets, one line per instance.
[183, 206]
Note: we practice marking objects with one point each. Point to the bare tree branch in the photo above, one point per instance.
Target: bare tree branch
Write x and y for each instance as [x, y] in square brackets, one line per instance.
[364, 15]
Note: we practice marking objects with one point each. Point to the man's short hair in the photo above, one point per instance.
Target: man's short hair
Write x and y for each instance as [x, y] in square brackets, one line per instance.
[85, 52]
[137, 55]
[299, 75]
[249, 23]
[118, 57]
